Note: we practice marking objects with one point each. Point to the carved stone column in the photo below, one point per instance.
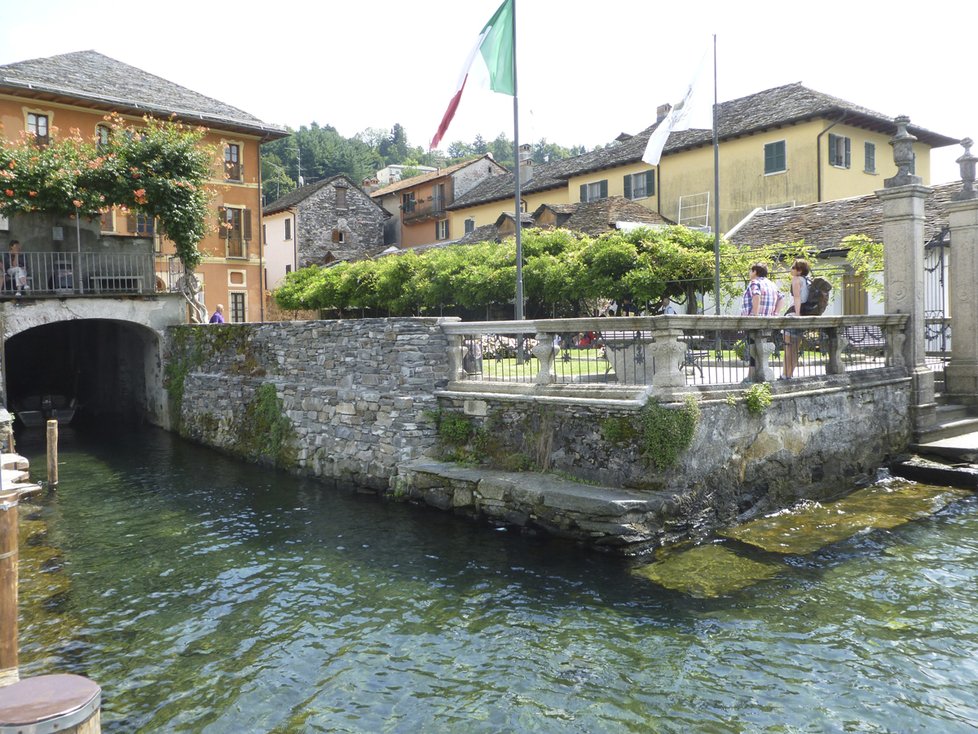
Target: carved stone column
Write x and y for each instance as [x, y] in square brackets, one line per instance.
[667, 354]
[961, 374]
[903, 201]
[761, 348]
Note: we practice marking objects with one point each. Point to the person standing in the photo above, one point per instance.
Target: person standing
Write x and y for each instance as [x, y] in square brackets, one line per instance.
[799, 295]
[218, 316]
[762, 297]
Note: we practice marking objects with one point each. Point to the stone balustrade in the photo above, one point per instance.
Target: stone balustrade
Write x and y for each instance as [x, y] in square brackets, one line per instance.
[668, 353]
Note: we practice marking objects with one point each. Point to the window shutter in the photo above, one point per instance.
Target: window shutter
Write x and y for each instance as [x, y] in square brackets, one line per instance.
[222, 221]
[336, 235]
[833, 147]
[628, 187]
[246, 224]
[583, 192]
[604, 189]
[131, 225]
[650, 183]
[848, 152]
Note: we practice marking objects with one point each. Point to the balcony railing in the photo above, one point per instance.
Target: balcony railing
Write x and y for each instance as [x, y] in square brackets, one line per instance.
[669, 353]
[78, 274]
[422, 210]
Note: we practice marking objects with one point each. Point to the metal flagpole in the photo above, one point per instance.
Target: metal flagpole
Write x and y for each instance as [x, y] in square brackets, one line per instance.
[516, 154]
[716, 182]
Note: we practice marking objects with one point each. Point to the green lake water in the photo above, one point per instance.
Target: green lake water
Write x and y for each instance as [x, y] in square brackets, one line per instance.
[205, 595]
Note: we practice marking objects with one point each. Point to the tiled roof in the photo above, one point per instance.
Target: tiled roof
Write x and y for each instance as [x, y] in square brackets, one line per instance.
[104, 83]
[597, 217]
[825, 224]
[784, 105]
[410, 183]
[302, 193]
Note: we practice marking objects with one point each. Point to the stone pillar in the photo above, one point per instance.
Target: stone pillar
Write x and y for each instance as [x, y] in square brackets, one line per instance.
[961, 374]
[903, 198]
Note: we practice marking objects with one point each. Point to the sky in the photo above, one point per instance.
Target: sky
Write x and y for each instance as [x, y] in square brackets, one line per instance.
[586, 71]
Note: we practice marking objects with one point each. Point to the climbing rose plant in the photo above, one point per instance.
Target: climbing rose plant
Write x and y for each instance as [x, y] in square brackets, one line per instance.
[158, 169]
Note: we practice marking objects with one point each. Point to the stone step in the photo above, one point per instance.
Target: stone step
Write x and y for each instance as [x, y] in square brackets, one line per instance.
[926, 471]
[953, 412]
[949, 429]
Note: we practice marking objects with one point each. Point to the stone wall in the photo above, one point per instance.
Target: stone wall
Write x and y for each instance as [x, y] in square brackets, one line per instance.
[811, 442]
[354, 393]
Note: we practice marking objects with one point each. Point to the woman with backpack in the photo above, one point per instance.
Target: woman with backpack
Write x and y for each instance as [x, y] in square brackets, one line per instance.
[799, 296]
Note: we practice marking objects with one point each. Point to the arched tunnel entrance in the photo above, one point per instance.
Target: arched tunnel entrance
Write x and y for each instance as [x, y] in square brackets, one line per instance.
[105, 367]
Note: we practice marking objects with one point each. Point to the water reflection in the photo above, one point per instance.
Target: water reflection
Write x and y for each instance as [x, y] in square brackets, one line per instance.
[209, 596]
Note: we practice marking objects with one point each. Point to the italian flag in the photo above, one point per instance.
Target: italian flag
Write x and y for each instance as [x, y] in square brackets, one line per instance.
[491, 59]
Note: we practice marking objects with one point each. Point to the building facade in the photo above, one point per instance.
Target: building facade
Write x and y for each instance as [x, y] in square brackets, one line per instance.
[48, 97]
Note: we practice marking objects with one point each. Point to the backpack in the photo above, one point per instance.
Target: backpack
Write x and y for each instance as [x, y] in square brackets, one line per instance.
[818, 297]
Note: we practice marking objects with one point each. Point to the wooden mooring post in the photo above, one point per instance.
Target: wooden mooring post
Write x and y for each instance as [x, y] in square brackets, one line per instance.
[52, 454]
[67, 704]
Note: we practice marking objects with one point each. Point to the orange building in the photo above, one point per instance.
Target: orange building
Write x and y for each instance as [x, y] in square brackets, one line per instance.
[75, 91]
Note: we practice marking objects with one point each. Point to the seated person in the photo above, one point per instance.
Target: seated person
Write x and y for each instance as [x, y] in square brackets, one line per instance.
[15, 267]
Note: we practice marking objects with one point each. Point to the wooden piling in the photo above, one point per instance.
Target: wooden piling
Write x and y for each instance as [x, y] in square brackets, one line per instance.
[52, 454]
[8, 588]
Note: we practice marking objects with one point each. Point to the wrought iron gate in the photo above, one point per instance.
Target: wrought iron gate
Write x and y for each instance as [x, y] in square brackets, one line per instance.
[937, 324]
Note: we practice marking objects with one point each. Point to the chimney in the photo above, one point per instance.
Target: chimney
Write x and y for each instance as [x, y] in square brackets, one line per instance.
[661, 111]
[526, 164]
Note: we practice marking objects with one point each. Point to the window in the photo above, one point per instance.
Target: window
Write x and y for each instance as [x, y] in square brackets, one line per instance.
[594, 191]
[232, 162]
[775, 160]
[839, 151]
[469, 225]
[341, 197]
[102, 134]
[339, 236]
[236, 229]
[441, 229]
[407, 202]
[140, 225]
[238, 313]
[37, 125]
[288, 268]
[870, 166]
[288, 229]
[640, 185]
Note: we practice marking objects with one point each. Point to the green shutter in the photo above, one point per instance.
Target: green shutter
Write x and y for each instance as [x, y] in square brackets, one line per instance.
[604, 188]
[650, 183]
[628, 187]
[583, 192]
[848, 152]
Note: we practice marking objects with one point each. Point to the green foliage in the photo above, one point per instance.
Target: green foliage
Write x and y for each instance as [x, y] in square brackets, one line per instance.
[668, 432]
[865, 257]
[618, 430]
[757, 398]
[158, 169]
[454, 429]
[265, 433]
[564, 273]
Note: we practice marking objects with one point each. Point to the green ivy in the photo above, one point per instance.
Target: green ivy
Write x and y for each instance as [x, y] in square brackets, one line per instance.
[668, 432]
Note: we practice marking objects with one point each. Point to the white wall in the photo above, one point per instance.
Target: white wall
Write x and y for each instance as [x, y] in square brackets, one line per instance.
[279, 252]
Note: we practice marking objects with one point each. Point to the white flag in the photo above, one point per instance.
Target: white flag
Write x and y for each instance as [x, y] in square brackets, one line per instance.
[682, 116]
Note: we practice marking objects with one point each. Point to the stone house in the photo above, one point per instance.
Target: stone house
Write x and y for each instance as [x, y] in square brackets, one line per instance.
[47, 97]
[782, 146]
[332, 219]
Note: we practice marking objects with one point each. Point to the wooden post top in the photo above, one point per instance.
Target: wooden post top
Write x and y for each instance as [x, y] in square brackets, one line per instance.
[47, 703]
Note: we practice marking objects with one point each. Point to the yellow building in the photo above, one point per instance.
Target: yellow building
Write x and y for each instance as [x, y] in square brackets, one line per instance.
[781, 147]
[50, 96]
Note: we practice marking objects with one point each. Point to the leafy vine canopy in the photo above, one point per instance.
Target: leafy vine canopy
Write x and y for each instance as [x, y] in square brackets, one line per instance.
[159, 169]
